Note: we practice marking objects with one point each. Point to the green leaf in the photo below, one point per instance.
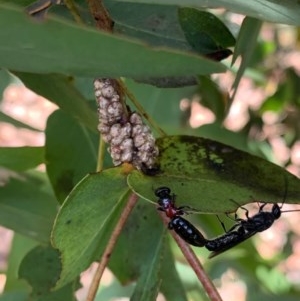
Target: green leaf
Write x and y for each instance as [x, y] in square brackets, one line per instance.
[86, 219]
[245, 46]
[208, 175]
[21, 245]
[85, 87]
[275, 280]
[113, 291]
[128, 259]
[27, 205]
[156, 24]
[205, 32]
[60, 90]
[171, 287]
[21, 158]
[239, 140]
[6, 118]
[22, 2]
[14, 296]
[33, 268]
[277, 101]
[217, 132]
[287, 93]
[169, 82]
[212, 97]
[5, 80]
[59, 46]
[132, 261]
[286, 12]
[148, 284]
[157, 102]
[71, 152]
[34, 265]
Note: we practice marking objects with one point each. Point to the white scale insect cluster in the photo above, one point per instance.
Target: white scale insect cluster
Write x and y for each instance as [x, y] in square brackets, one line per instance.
[129, 139]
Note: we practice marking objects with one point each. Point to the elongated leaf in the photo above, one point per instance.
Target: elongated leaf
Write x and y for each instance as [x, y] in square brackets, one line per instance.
[114, 290]
[286, 12]
[205, 32]
[246, 43]
[60, 90]
[71, 152]
[58, 46]
[128, 259]
[86, 219]
[27, 205]
[6, 118]
[158, 25]
[171, 287]
[5, 80]
[21, 158]
[148, 285]
[212, 97]
[208, 175]
[132, 261]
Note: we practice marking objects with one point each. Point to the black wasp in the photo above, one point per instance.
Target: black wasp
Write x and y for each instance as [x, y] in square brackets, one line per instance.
[244, 228]
[181, 226]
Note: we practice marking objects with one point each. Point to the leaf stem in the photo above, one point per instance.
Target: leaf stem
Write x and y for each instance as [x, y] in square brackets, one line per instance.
[101, 154]
[195, 264]
[109, 247]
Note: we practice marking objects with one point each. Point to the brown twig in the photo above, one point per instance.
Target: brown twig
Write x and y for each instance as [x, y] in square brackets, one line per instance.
[195, 264]
[109, 247]
[104, 22]
[100, 14]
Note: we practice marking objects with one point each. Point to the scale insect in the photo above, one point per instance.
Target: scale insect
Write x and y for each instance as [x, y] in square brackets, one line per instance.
[181, 226]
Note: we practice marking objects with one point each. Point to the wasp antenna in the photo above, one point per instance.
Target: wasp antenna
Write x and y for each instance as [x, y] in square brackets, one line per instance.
[294, 210]
[286, 184]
